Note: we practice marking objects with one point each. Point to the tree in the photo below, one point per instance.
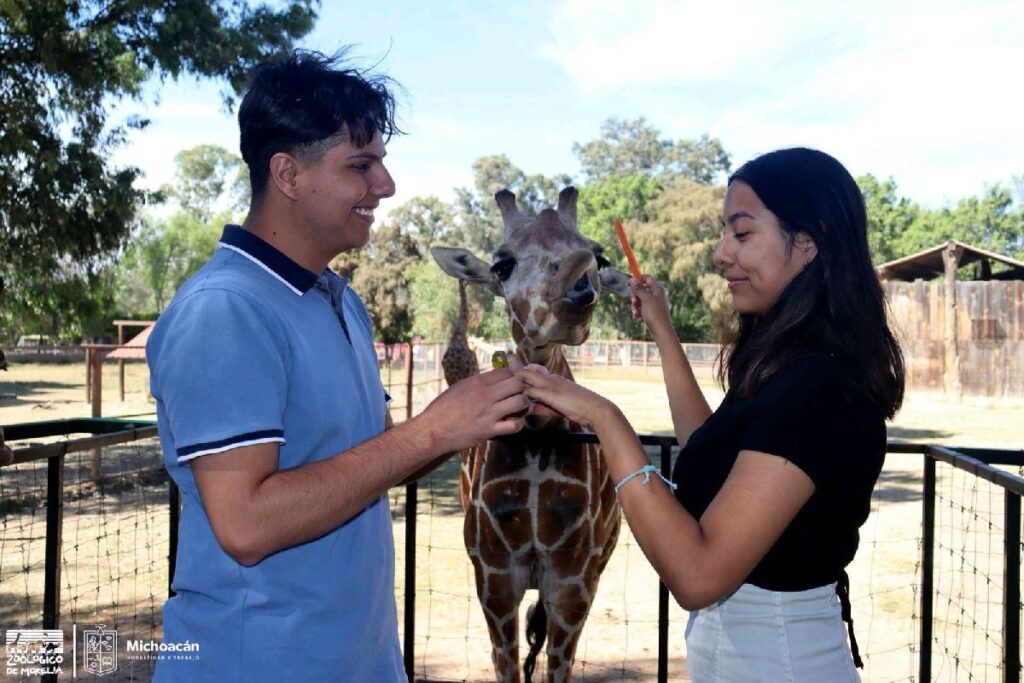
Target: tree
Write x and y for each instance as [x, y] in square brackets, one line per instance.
[208, 178]
[380, 273]
[479, 225]
[164, 254]
[600, 203]
[63, 63]
[676, 246]
[632, 147]
[889, 217]
[988, 221]
[427, 220]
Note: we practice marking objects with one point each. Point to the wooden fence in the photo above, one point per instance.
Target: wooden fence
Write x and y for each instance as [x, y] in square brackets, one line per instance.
[983, 351]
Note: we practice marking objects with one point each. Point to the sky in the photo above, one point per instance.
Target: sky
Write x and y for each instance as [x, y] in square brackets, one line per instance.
[927, 93]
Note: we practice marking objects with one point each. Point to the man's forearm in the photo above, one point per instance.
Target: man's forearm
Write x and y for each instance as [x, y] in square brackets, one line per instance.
[293, 506]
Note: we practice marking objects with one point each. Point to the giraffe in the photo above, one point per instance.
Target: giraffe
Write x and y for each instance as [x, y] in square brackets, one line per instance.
[540, 512]
[459, 360]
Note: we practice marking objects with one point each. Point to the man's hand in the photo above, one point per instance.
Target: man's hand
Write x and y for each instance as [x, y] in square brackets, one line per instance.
[476, 409]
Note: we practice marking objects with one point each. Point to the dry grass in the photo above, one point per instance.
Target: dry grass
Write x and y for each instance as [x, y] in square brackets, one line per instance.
[107, 536]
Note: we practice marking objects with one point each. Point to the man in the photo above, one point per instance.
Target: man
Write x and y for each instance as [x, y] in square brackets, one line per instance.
[272, 416]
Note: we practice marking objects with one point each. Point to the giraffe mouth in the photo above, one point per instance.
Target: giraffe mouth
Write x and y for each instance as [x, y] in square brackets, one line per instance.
[570, 312]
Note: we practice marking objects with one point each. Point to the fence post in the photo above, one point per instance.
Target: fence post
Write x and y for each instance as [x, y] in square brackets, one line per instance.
[174, 516]
[666, 470]
[96, 363]
[88, 374]
[410, 579]
[927, 569]
[54, 534]
[120, 362]
[1011, 589]
[410, 541]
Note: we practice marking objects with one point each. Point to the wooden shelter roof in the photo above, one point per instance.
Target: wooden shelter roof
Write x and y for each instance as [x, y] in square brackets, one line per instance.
[134, 348]
[927, 264]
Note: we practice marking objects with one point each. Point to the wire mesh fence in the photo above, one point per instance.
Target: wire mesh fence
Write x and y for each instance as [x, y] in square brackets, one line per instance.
[115, 543]
[970, 556]
[618, 643]
[113, 550]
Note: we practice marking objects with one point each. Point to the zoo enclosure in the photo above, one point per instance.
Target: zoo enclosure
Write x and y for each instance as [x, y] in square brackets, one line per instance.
[942, 552]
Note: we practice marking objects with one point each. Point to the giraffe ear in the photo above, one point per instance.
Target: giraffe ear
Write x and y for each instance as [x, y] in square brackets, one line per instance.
[614, 281]
[463, 265]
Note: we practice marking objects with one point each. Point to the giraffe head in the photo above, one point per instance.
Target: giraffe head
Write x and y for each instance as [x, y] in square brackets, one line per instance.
[549, 274]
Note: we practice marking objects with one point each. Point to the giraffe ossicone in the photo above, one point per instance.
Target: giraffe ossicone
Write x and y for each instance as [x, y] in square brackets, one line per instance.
[540, 511]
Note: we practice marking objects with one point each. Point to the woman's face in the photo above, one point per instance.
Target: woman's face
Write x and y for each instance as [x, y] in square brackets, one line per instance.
[752, 254]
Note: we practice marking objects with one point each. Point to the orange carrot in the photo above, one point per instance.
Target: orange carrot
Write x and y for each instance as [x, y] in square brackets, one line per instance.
[634, 267]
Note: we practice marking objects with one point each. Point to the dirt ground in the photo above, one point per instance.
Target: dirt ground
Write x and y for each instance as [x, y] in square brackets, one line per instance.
[620, 640]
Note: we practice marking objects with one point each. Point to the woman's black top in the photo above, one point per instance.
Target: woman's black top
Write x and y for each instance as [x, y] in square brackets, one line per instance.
[815, 414]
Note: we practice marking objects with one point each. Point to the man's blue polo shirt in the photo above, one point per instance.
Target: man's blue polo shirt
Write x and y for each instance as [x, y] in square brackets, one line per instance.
[250, 352]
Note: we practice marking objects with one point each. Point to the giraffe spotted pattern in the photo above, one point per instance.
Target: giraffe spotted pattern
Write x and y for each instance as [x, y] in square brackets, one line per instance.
[540, 511]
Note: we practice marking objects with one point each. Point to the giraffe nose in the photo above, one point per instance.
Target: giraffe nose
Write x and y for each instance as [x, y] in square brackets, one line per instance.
[582, 294]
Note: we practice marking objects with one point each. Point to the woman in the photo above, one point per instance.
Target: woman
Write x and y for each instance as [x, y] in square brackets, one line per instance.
[770, 488]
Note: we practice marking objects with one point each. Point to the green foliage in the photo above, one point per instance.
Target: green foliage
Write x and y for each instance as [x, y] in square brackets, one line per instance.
[64, 210]
[604, 200]
[627, 148]
[898, 227]
[600, 203]
[434, 301]
[435, 306]
[73, 304]
[889, 217]
[478, 220]
[676, 246]
[164, 254]
[986, 221]
[428, 220]
[165, 251]
[380, 273]
[209, 176]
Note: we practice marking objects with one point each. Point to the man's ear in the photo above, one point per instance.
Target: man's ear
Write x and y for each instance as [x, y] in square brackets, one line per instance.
[463, 265]
[284, 171]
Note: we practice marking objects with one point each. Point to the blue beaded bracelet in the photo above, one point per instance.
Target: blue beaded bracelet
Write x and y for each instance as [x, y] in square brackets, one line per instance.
[646, 470]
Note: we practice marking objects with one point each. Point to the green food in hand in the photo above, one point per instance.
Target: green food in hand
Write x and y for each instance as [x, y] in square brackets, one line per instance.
[499, 359]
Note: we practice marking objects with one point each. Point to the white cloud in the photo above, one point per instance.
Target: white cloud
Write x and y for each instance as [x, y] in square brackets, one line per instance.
[925, 92]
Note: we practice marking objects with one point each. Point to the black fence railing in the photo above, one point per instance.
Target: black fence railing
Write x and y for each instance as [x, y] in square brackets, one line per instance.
[49, 490]
[980, 463]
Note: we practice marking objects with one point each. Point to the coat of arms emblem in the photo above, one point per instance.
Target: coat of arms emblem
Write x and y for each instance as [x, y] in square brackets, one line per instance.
[100, 651]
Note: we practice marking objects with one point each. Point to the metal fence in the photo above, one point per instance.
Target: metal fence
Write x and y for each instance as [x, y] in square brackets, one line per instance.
[100, 548]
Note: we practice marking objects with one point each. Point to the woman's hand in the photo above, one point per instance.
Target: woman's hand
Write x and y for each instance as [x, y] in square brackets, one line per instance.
[650, 302]
[553, 393]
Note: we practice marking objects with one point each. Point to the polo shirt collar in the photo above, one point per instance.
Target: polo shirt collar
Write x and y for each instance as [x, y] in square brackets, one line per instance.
[260, 252]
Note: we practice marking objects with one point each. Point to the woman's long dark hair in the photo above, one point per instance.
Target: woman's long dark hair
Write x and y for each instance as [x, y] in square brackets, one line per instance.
[836, 303]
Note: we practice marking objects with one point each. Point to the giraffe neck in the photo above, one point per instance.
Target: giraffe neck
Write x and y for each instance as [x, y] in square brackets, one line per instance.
[551, 357]
[460, 325]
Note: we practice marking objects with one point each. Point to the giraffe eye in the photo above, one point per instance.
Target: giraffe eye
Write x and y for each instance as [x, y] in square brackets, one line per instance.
[503, 268]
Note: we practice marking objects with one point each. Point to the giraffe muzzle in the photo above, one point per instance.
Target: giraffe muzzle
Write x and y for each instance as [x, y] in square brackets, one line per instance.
[582, 294]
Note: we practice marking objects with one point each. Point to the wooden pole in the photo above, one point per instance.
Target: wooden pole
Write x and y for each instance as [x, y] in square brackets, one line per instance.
[951, 378]
[88, 375]
[120, 362]
[408, 382]
[96, 357]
